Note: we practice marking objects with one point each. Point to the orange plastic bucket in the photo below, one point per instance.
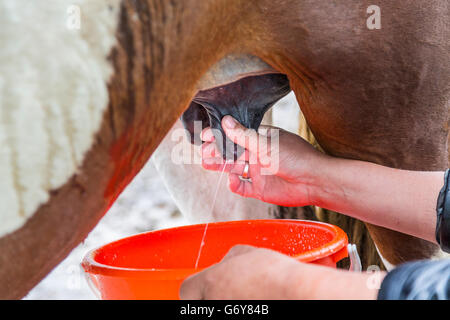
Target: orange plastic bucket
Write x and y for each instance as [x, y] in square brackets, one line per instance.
[153, 265]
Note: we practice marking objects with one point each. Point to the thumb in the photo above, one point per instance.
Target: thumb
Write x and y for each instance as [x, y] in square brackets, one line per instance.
[236, 132]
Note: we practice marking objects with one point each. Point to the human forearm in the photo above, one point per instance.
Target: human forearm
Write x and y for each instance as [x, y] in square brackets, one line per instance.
[396, 199]
[309, 281]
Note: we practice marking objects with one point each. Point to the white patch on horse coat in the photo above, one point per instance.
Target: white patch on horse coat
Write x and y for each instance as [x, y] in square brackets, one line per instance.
[53, 92]
[389, 266]
[440, 255]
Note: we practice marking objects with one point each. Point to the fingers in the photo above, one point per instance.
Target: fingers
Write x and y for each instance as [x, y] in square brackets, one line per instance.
[209, 283]
[235, 170]
[207, 135]
[235, 184]
[246, 138]
[255, 143]
[243, 188]
[217, 163]
[211, 156]
[210, 150]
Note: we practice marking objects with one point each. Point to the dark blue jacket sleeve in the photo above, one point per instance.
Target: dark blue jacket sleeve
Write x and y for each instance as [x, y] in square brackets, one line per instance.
[420, 280]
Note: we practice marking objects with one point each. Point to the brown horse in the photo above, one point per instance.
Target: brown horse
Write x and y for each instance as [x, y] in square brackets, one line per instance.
[112, 89]
[187, 182]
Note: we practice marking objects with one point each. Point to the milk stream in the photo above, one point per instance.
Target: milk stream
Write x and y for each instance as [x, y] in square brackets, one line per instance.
[202, 243]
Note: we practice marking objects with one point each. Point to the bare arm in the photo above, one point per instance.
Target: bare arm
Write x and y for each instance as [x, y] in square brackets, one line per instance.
[401, 200]
[245, 274]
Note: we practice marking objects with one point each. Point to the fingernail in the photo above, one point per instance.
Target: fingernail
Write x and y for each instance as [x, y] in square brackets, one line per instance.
[206, 135]
[230, 123]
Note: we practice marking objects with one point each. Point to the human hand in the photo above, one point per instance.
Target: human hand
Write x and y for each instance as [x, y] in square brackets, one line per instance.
[244, 273]
[249, 273]
[283, 167]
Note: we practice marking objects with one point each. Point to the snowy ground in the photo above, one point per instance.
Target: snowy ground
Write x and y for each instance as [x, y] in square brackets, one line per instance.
[144, 205]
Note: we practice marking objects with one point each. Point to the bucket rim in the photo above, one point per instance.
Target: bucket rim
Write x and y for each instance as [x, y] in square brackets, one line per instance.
[329, 249]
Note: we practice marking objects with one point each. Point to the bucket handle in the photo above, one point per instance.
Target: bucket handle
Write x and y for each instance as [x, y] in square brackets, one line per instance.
[355, 261]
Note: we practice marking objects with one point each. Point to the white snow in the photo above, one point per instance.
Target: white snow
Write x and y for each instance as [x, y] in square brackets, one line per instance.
[144, 205]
